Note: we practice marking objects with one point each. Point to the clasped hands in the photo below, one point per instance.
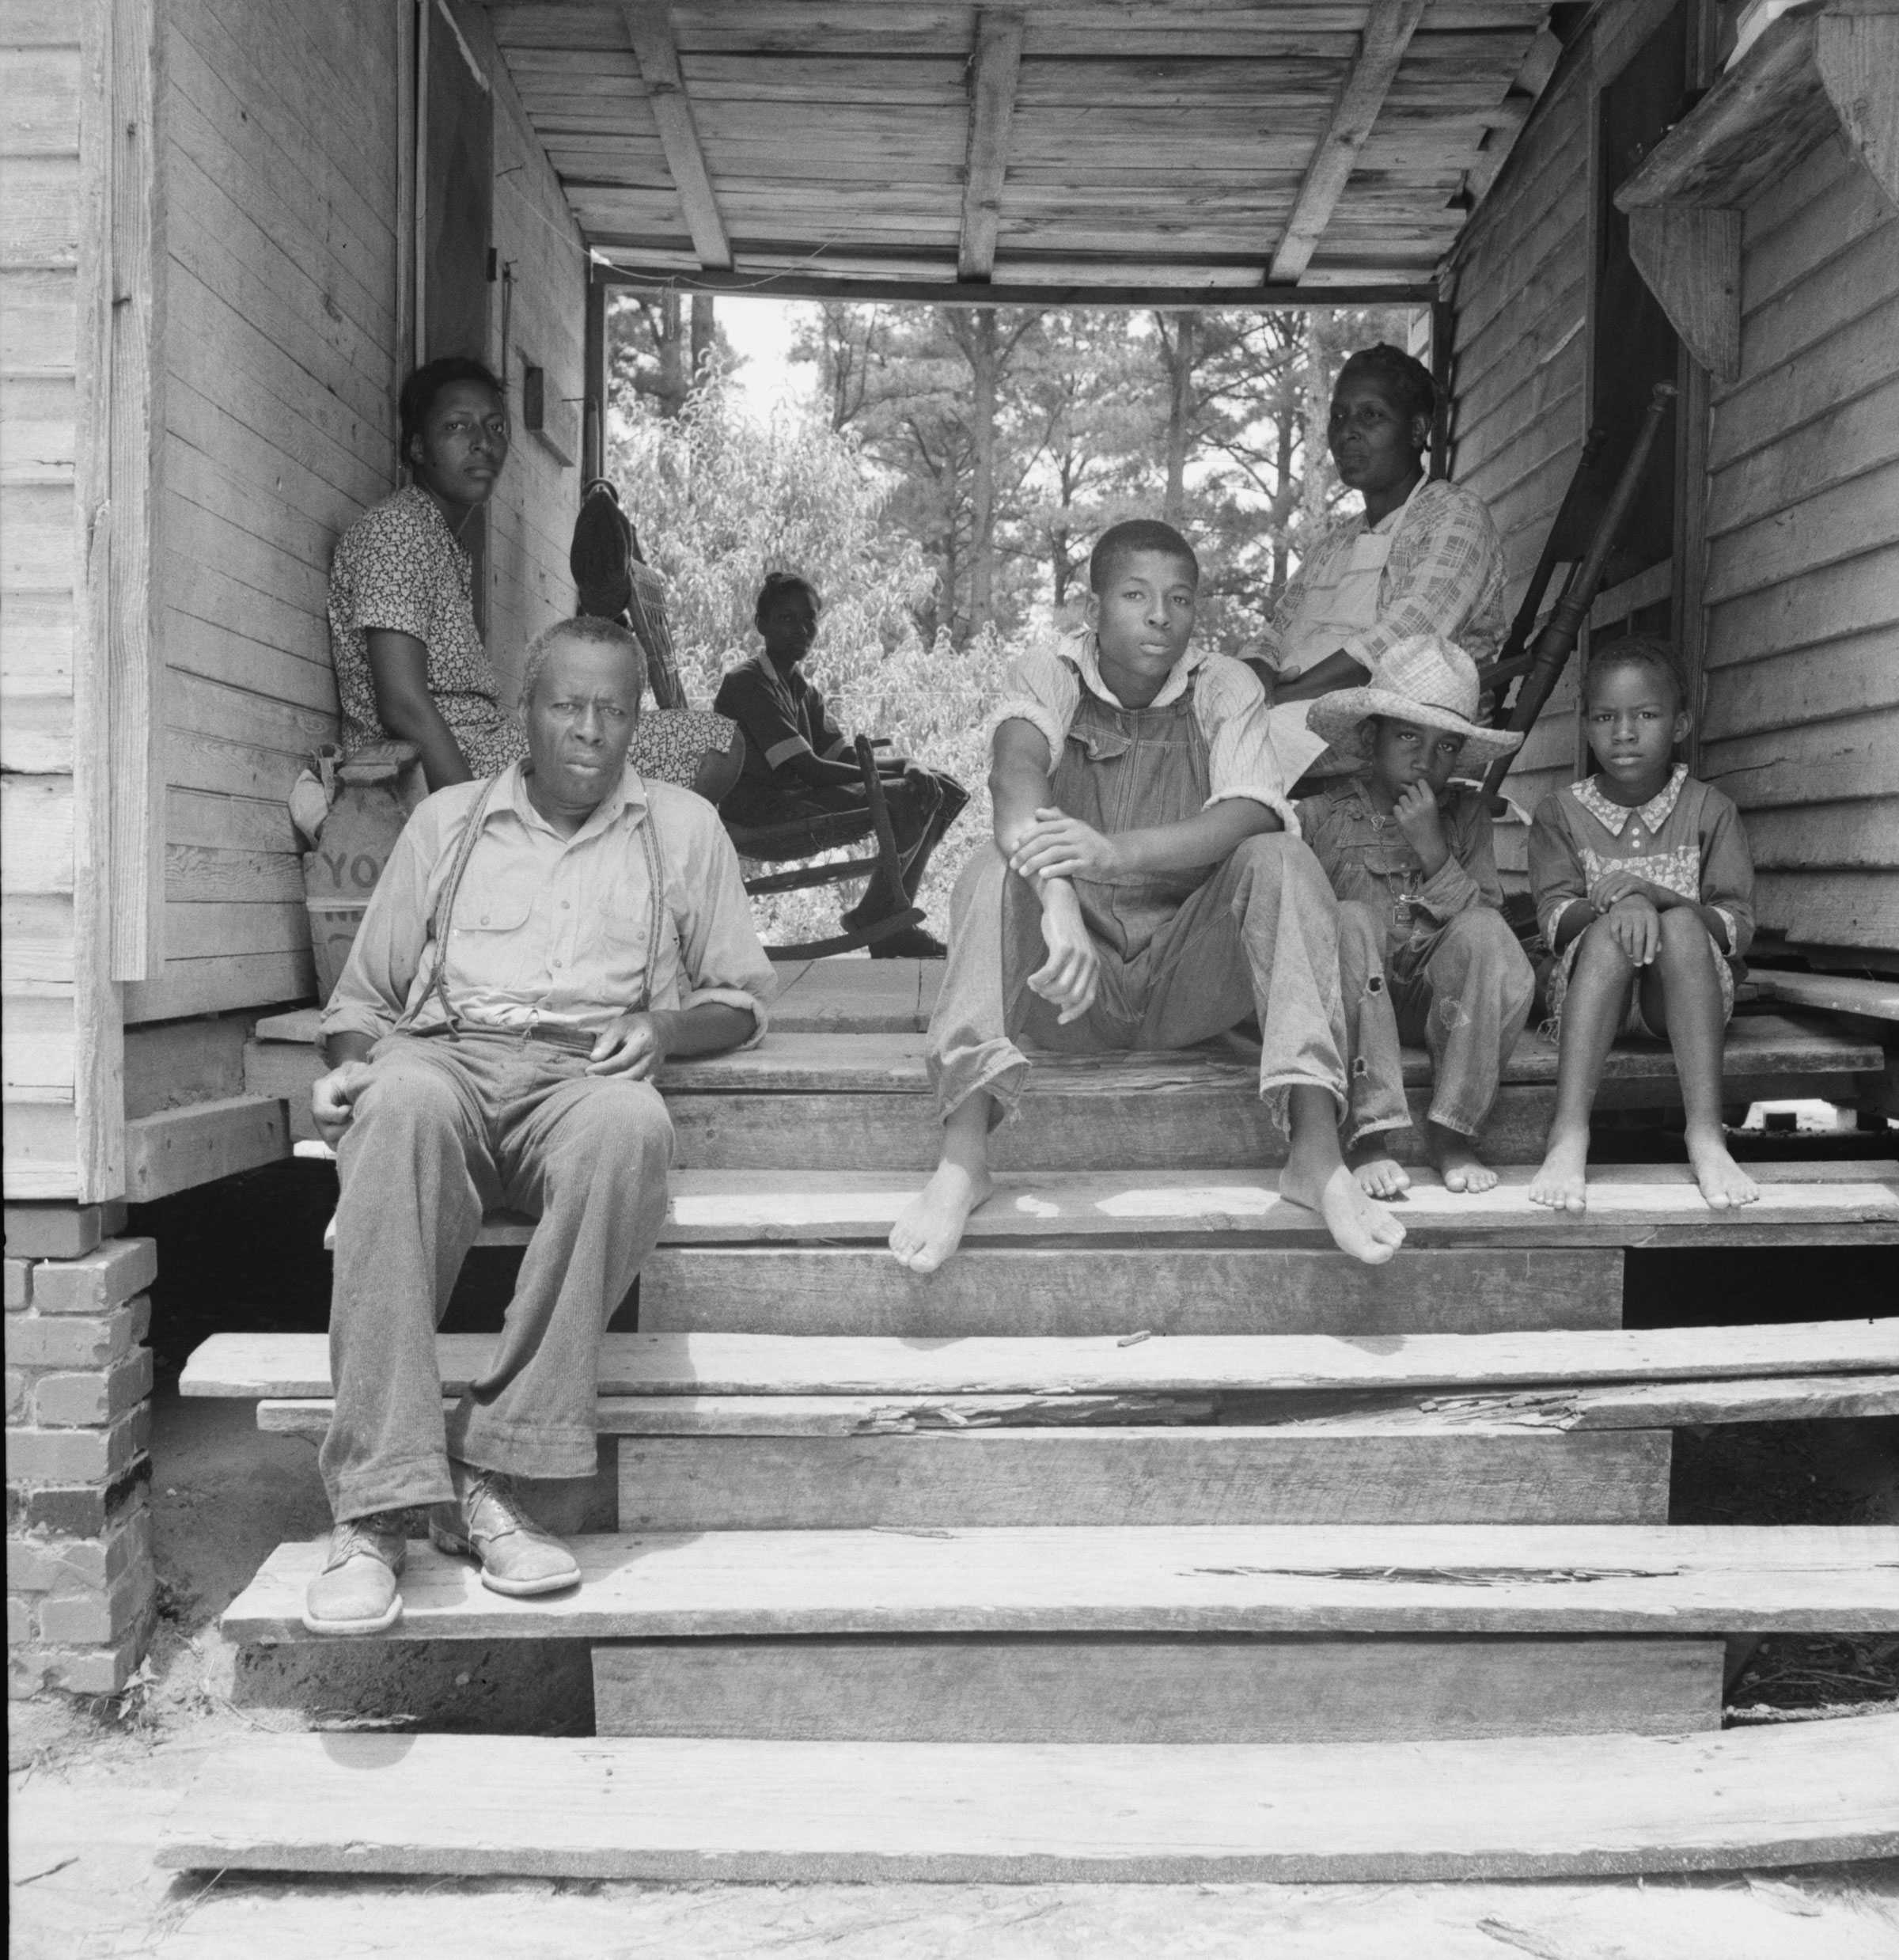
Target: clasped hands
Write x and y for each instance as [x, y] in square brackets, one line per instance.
[1633, 907]
[1052, 850]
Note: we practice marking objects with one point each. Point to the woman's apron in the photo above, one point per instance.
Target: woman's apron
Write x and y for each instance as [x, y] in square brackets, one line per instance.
[1329, 614]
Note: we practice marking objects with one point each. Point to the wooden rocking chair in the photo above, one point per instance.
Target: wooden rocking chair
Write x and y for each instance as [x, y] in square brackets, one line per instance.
[807, 836]
[1582, 536]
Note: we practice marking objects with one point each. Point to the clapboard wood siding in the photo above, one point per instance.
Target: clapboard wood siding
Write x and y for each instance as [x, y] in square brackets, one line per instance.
[538, 245]
[1800, 719]
[1519, 351]
[43, 71]
[281, 352]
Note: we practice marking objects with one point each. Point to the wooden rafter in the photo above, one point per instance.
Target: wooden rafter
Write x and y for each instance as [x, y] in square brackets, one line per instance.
[998, 61]
[650, 28]
[1388, 28]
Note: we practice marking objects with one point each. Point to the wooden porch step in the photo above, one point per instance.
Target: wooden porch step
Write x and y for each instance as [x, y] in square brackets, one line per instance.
[1413, 1579]
[253, 1366]
[1156, 1689]
[862, 1100]
[1615, 1405]
[1458, 1473]
[1000, 1289]
[487, 1806]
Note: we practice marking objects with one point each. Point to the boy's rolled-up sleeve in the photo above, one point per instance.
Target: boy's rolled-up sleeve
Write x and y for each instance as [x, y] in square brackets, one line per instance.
[1727, 871]
[1042, 688]
[1557, 879]
[1230, 706]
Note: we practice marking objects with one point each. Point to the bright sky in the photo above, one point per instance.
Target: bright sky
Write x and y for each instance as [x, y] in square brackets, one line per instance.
[760, 331]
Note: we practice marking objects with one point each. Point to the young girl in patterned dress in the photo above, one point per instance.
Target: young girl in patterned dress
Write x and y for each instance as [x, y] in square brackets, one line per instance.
[1645, 891]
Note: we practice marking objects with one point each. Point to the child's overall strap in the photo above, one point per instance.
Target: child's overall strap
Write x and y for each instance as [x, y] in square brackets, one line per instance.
[442, 913]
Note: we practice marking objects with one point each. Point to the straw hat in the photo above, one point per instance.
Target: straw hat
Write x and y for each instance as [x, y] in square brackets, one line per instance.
[1423, 679]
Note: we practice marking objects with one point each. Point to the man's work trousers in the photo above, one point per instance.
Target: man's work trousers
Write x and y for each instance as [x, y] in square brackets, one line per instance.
[1259, 937]
[1463, 990]
[449, 1127]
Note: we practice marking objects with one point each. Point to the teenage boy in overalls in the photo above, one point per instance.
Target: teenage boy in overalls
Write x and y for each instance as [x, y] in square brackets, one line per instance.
[1147, 888]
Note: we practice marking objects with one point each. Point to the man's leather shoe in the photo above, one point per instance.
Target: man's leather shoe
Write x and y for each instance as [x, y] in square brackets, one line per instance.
[355, 1592]
[486, 1521]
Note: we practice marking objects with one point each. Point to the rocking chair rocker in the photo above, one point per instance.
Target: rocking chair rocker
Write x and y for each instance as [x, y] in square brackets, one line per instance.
[808, 837]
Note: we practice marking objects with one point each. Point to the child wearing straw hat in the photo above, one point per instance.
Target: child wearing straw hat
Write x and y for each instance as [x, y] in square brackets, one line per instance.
[1424, 952]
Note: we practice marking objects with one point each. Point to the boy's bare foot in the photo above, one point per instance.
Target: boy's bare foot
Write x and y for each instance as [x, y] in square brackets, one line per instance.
[929, 1227]
[1379, 1176]
[1358, 1225]
[1562, 1183]
[1459, 1164]
[1724, 1182]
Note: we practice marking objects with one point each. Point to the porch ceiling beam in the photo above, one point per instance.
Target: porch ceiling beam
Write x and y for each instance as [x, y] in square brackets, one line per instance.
[993, 69]
[1388, 28]
[650, 28]
[946, 292]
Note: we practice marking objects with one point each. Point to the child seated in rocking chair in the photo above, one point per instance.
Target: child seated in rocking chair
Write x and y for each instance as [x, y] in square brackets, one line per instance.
[798, 763]
[1645, 889]
[1424, 952]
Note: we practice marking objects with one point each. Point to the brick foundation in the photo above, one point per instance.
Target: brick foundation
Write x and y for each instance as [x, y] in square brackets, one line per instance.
[79, 1575]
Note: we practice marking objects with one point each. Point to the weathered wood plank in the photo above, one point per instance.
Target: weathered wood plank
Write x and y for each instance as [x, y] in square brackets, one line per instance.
[1830, 908]
[1267, 1578]
[1630, 1204]
[648, 27]
[1123, 1289]
[179, 1062]
[248, 1365]
[1831, 993]
[672, 1811]
[1139, 1690]
[1839, 759]
[1629, 1405]
[1223, 1475]
[1856, 675]
[1389, 27]
[1824, 527]
[996, 66]
[177, 1149]
[214, 985]
[1857, 596]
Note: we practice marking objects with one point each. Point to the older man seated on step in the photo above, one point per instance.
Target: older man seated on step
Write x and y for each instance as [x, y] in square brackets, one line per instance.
[541, 942]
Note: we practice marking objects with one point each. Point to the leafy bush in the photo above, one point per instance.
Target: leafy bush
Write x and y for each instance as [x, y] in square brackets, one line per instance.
[719, 500]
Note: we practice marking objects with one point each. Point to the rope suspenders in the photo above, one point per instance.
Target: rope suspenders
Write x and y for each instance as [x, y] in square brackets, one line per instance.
[442, 916]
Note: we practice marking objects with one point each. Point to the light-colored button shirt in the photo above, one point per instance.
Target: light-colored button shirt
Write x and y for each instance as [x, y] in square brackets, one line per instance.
[554, 929]
[1043, 684]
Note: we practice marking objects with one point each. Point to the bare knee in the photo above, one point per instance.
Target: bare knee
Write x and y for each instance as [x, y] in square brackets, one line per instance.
[1600, 951]
[1684, 934]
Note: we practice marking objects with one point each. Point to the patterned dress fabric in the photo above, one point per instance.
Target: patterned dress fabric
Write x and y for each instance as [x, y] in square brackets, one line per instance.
[399, 569]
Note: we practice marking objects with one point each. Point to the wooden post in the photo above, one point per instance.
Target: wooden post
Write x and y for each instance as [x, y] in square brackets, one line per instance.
[594, 385]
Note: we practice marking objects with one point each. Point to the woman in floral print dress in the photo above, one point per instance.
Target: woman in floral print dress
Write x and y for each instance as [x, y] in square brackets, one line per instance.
[409, 663]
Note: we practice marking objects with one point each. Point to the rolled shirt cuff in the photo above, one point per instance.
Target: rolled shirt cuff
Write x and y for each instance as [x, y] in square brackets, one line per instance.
[732, 997]
[1038, 715]
[782, 751]
[1274, 800]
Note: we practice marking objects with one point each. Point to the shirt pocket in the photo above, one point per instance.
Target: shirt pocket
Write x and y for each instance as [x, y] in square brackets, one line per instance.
[494, 945]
